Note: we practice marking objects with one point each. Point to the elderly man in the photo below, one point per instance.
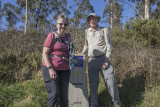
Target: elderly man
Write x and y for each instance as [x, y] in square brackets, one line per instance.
[98, 43]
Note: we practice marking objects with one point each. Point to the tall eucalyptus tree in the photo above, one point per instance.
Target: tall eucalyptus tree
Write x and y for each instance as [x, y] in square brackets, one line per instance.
[112, 13]
[147, 9]
[82, 9]
[143, 7]
[0, 9]
[10, 12]
[0, 4]
[156, 13]
[137, 7]
[40, 12]
[57, 7]
[26, 15]
[0, 16]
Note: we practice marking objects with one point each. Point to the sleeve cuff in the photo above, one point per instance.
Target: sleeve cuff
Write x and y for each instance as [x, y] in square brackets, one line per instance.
[108, 55]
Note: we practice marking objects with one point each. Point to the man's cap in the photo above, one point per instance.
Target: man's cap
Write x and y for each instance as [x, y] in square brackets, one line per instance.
[94, 15]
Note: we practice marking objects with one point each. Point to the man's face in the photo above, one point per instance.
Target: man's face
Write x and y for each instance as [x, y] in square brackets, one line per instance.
[93, 21]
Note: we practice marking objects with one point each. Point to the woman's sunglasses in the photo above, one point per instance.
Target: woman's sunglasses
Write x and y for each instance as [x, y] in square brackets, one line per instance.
[65, 24]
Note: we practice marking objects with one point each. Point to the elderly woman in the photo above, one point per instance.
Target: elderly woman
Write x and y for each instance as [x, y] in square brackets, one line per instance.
[55, 66]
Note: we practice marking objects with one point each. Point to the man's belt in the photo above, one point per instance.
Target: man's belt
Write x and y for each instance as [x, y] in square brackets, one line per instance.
[52, 55]
[97, 56]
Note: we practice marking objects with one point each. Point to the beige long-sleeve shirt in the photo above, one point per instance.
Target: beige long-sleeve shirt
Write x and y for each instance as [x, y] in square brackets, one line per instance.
[97, 42]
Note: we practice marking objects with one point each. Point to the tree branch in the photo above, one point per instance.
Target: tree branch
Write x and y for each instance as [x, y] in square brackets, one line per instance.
[132, 8]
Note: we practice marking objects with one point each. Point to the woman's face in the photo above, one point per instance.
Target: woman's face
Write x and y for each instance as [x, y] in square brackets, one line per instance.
[61, 25]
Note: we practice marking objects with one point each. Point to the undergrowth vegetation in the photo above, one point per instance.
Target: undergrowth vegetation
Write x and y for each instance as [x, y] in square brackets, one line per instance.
[20, 55]
[30, 93]
[135, 57]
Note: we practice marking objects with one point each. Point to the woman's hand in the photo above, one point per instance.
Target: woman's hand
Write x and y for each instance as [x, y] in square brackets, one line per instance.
[46, 51]
[52, 74]
[105, 65]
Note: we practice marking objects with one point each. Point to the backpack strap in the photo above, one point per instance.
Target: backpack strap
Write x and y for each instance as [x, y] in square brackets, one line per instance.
[55, 39]
[102, 29]
[69, 37]
[56, 35]
[86, 31]
[70, 44]
[71, 51]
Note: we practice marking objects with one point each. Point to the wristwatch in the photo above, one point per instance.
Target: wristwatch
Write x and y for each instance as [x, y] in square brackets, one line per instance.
[49, 67]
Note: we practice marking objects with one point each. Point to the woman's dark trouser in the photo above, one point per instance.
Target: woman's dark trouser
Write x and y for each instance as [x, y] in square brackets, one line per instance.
[57, 89]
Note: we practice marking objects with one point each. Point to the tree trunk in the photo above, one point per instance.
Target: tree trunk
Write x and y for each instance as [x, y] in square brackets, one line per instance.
[111, 17]
[37, 20]
[0, 10]
[26, 17]
[115, 17]
[124, 1]
[147, 9]
[0, 4]
[0, 16]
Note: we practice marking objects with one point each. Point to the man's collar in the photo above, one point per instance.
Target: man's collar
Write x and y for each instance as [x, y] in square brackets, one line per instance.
[98, 28]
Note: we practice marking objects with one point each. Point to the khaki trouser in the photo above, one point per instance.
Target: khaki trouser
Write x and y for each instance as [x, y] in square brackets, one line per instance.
[94, 67]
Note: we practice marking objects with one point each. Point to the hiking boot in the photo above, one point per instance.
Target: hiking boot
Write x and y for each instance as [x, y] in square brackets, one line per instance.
[116, 105]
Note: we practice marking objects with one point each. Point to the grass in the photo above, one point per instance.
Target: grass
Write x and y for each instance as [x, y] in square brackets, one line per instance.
[104, 98]
[30, 93]
[151, 97]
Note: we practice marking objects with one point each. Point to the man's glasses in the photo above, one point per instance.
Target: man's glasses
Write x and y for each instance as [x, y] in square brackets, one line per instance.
[65, 24]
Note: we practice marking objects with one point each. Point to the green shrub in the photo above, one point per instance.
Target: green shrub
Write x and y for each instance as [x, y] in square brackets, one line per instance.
[143, 32]
[18, 68]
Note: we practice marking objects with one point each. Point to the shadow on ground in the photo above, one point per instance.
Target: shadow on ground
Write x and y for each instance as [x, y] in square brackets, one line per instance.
[130, 92]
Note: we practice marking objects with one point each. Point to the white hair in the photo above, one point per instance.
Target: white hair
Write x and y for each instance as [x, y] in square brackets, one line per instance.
[62, 17]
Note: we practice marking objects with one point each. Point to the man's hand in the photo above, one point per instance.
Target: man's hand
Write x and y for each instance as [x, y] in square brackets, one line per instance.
[105, 65]
[52, 74]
